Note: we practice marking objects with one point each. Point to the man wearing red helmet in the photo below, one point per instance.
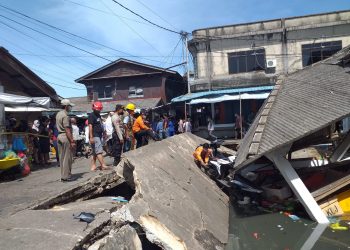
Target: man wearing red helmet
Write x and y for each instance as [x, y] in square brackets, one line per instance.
[96, 133]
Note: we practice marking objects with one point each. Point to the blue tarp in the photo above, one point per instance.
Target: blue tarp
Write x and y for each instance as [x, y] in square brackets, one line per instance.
[191, 96]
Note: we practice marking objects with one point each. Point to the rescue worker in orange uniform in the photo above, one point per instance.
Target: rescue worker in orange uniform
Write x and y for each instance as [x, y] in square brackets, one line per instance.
[139, 128]
[202, 155]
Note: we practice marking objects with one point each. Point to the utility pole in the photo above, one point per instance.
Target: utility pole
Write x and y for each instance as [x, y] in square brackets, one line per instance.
[184, 36]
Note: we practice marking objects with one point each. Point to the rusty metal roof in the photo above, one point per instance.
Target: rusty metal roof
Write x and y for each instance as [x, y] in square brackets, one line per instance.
[83, 105]
[301, 104]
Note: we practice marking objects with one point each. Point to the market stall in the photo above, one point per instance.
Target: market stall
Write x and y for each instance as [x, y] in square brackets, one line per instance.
[15, 142]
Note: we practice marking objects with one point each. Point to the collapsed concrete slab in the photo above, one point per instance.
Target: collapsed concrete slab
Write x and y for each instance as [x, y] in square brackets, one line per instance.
[172, 205]
[56, 228]
[175, 203]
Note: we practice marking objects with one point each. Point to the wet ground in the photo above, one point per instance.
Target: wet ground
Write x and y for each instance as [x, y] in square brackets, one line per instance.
[279, 231]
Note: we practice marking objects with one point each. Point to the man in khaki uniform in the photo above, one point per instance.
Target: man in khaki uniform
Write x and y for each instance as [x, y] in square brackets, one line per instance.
[65, 141]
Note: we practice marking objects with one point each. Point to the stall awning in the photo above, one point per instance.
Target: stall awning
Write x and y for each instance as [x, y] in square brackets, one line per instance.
[196, 95]
[15, 100]
[223, 98]
[25, 109]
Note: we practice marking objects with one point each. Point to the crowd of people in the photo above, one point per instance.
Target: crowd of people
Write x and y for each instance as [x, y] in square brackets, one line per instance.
[125, 129]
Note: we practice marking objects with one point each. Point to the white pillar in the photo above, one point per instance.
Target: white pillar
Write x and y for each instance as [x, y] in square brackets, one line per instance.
[297, 185]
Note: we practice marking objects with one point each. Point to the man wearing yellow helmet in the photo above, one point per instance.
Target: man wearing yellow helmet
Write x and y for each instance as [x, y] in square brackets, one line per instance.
[128, 123]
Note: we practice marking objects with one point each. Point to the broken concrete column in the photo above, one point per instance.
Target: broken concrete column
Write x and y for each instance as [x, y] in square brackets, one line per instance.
[175, 203]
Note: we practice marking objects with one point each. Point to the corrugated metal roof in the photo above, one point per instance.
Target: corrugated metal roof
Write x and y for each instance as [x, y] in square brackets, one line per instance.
[301, 104]
[83, 105]
[191, 96]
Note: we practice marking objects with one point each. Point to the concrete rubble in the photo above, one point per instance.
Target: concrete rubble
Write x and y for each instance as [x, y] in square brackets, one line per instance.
[172, 205]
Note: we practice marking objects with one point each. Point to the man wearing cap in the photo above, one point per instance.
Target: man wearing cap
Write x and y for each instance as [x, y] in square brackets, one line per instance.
[65, 141]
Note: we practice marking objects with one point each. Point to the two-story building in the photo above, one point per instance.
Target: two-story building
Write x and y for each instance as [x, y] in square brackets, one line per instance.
[124, 81]
[239, 64]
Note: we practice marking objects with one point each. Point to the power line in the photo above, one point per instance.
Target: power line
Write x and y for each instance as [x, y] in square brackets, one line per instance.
[43, 57]
[106, 6]
[87, 55]
[155, 13]
[56, 39]
[161, 27]
[172, 52]
[62, 30]
[58, 78]
[205, 37]
[63, 86]
[105, 12]
[77, 36]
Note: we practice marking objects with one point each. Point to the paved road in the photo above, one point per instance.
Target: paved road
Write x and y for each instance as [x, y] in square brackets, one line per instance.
[21, 193]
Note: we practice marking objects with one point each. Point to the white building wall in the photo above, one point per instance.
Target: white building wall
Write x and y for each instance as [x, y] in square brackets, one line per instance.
[268, 35]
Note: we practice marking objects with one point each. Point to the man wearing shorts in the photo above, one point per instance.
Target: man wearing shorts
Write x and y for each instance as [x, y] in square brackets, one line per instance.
[96, 134]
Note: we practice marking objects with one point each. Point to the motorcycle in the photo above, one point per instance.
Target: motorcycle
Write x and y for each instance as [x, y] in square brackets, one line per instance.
[219, 167]
[219, 170]
[83, 149]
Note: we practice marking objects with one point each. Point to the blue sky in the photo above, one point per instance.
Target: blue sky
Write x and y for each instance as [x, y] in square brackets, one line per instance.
[105, 22]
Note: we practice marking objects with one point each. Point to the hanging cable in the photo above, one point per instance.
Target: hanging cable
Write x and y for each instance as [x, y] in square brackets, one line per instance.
[63, 86]
[161, 27]
[155, 13]
[40, 45]
[132, 29]
[62, 30]
[105, 12]
[56, 39]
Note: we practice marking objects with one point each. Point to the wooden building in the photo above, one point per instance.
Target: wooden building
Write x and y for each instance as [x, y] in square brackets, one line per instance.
[124, 81]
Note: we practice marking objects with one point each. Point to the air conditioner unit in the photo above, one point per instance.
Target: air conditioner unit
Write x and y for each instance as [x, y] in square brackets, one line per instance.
[271, 63]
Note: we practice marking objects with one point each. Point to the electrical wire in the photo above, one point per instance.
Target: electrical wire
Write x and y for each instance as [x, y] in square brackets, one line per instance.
[159, 26]
[52, 76]
[171, 54]
[105, 12]
[39, 45]
[155, 13]
[132, 29]
[63, 86]
[62, 30]
[56, 39]
[73, 56]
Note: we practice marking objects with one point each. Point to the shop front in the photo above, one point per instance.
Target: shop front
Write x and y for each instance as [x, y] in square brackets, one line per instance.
[223, 107]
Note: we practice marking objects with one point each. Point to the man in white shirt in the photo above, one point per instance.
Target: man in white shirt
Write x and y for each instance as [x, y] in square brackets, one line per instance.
[75, 133]
[188, 126]
[75, 129]
[118, 133]
[109, 131]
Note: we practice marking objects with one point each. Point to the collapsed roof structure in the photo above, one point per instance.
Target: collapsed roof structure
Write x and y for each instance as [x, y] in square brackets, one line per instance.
[297, 114]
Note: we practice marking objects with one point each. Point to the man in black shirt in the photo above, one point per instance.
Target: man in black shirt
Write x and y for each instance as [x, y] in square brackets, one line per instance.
[96, 133]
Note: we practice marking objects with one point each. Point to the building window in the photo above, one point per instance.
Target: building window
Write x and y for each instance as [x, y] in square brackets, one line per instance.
[246, 61]
[316, 52]
[108, 91]
[103, 90]
[135, 91]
